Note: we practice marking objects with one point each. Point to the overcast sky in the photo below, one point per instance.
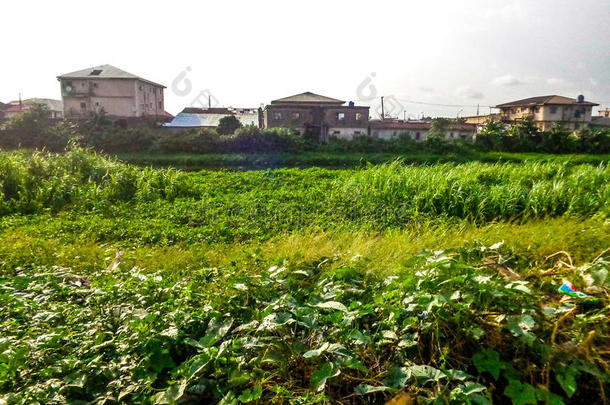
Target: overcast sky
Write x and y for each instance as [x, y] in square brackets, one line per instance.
[457, 53]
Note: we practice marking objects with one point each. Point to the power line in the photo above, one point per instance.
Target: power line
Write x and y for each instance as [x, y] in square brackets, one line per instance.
[442, 105]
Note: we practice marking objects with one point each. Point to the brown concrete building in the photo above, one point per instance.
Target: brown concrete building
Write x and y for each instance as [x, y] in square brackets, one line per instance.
[318, 116]
[546, 111]
[604, 113]
[119, 93]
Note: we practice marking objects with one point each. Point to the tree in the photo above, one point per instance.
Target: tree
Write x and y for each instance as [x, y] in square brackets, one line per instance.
[523, 133]
[99, 119]
[557, 140]
[31, 121]
[228, 125]
[492, 135]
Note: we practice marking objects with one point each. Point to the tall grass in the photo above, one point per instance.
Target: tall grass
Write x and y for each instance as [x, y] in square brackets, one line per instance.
[478, 191]
[167, 204]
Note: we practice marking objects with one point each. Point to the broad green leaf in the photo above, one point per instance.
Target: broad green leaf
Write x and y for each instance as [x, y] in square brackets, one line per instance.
[337, 306]
[548, 397]
[318, 351]
[521, 393]
[397, 377]
[566, 377]
[470, 388]
[228, 399]
[425, 372]
[275, 320]
[364, 389]
[457, 374]
[319, 377]
[250, 395]
[487, 360]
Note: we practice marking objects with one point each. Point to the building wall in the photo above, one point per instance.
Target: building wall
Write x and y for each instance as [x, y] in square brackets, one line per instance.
[118, 97]
[339, 121]
[571, 116]
[346, 133]
[287, 116]
[417, 135]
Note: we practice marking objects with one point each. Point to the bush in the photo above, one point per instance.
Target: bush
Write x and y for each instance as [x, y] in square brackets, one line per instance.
[228, 125]
[34, 129]
[193, 141]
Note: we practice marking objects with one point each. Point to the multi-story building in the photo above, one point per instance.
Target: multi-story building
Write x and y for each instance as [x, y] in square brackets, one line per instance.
[546, 111]
[317, 116]
[119, 93]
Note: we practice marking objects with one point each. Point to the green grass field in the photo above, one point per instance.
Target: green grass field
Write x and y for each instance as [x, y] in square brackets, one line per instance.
[426, 283]
[194, 162]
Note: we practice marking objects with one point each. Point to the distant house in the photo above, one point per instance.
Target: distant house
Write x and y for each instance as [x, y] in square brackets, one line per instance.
[318, 116]
[17, 107]
[604, 112]
[418, 130]
[546, 111]
[210, 117]
[119, 93]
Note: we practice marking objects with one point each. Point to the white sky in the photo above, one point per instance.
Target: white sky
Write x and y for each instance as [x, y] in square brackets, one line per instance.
[245, 53]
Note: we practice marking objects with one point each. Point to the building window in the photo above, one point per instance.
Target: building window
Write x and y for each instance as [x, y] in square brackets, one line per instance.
[160, 105]
[95, 85]
[358, 116]
[536, 109]
[83, 106]
[140, 87]
[340, 116]
[82, 84]
[296, 115]
[553, 109]
[357, 133]
[417, 136]
[97, 104]
[336, 132]
[277, 116]
[95, 72]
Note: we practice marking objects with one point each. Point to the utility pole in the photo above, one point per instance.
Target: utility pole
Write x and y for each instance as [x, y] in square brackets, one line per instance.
[477, 109]
[382, 111]
[404, 115]
[209, 101]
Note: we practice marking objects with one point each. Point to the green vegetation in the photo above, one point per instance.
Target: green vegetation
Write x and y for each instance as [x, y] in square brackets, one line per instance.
[33, 129]
[332, 160]
[433, 283]
[228, 125]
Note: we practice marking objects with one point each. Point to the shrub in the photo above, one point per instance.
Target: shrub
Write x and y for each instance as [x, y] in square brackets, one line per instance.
[228, 125]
